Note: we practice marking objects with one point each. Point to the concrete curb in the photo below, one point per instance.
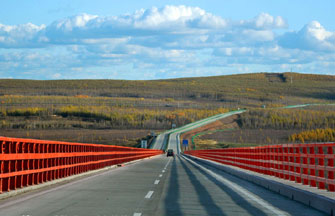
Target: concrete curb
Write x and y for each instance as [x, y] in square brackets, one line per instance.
[317, 201]
[67, 179]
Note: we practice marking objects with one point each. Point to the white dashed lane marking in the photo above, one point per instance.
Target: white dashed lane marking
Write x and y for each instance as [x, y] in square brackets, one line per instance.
[149, 194]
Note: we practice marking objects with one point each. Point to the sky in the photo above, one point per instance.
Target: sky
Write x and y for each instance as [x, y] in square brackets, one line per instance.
[155, 39]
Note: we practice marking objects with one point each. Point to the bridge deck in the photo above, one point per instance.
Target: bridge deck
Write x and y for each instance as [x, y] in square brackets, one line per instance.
[147, 187]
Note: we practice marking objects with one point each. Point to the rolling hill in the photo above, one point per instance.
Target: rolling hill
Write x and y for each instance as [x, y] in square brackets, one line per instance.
[243, 90]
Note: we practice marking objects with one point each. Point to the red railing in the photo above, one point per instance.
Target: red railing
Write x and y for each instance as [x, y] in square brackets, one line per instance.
[309, 164]
[25, 162]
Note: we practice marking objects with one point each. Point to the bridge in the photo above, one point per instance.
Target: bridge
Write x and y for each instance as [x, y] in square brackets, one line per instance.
[57, 178]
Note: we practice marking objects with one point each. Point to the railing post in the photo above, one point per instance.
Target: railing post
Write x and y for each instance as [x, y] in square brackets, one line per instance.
[330, 165]
[286, 163]
[312, 165]
[321, 168]
[291, 163]
[298, 163]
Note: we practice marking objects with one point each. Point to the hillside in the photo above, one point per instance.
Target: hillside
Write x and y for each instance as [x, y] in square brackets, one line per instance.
[97, 111]
[241, 90]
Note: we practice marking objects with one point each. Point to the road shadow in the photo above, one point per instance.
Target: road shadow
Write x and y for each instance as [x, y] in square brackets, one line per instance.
[204, 197]
[172, 206]
[238, 199]
[283, 203]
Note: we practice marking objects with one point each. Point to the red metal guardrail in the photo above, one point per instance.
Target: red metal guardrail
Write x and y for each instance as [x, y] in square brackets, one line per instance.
[309, 164]
[25, 162]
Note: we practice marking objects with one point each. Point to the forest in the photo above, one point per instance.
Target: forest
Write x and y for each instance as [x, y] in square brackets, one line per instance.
[315, 123]
[317, 135]
[286, 119]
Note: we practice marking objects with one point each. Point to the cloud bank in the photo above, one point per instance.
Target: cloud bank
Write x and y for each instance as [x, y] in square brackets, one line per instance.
[173, 41]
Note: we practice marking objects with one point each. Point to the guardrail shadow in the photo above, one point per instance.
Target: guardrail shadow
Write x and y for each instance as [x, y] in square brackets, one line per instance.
[238, 199]
[283, 204]
[172, 206]
[204, 197]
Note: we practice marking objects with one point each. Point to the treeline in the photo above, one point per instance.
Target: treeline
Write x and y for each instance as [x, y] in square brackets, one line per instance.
[94, 117]
[317, 135]
[30, 111]
[287, 119]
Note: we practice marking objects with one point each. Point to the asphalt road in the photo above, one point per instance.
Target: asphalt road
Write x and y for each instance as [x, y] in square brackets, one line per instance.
[160, 141]
[172, 136]
[157, 186]
[172, 144]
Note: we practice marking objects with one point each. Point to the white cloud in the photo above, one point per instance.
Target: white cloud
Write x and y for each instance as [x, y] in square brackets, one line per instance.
[74, 22]
[176, 16]
[317, 31]
[270, 55]
[264, 21]
[154, 21]
[312, 36]
[56, 76]
[260, 35]
[20, 35]
[234, 51]
[172, 27]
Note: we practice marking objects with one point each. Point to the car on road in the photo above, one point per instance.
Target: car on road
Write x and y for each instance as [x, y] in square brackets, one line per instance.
[170, 153]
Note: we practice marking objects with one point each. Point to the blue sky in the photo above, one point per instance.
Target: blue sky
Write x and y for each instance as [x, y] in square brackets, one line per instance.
[104, 39]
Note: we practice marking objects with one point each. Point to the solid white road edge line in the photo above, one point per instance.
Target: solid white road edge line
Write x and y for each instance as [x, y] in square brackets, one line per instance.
[149, 194]
[241, 190]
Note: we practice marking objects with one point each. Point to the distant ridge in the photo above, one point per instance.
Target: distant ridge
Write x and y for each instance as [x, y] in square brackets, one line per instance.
[254, 87]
